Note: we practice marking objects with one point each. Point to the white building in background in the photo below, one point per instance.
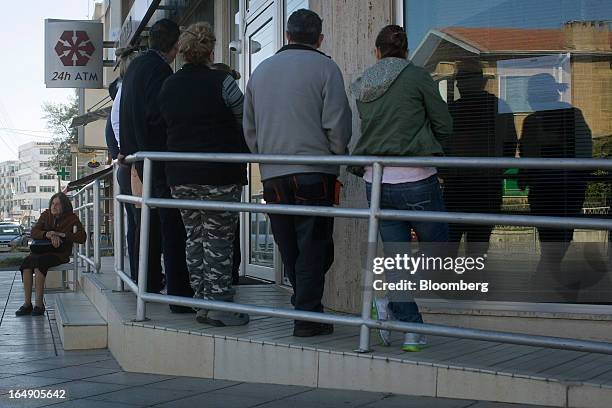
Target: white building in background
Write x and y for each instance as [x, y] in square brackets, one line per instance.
[36, 181]
[8, 187]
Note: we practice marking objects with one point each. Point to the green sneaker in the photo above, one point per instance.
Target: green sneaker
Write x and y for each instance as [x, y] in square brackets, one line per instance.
[414, 342]
[380, 311]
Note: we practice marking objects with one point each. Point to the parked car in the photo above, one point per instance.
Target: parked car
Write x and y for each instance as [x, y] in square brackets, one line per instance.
[12, 236]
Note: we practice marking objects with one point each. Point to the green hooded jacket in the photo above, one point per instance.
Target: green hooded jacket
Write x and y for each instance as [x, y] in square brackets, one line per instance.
[401, 111]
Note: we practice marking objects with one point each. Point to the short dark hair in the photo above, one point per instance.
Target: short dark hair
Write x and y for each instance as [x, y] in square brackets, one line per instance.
[304, 26]
[64, 200]
[164, 35]
[392, 42]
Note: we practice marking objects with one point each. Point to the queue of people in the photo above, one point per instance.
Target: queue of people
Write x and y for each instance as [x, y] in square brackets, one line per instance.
[295, 103]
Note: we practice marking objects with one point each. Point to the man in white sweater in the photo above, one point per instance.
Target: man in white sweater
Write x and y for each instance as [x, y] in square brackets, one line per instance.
[295, 103]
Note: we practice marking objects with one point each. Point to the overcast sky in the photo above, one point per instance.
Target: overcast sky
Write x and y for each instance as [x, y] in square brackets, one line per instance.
[22, 69]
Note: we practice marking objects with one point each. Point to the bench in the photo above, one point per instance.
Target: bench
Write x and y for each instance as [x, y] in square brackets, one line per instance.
[60, 276]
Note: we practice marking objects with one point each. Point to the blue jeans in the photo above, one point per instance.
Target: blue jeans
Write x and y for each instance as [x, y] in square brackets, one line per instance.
[423, 195]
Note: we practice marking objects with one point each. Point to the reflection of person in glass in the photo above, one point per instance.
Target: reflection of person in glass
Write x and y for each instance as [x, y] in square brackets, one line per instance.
[556, 129]
[480, 130]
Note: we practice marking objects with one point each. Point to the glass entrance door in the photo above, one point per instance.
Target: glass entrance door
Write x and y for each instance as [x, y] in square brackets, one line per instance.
[260, 42]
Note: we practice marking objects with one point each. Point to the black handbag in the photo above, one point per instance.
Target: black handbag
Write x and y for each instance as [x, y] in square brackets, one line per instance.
[41, 246]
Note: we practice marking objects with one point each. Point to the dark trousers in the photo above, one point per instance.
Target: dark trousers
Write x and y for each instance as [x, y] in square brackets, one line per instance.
[305, 243]
[123, 177]
[172, 237]
[472, 195]
[556, 200]
[166, 235]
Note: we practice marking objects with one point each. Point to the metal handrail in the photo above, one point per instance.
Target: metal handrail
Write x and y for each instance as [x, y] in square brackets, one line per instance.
[373, 213]
[88, 201]
[395, 161]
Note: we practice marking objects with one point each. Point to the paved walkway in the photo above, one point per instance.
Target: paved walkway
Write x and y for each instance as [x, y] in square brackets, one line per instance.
[32, 358]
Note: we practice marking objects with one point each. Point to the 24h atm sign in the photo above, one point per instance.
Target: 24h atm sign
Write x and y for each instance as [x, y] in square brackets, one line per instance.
[73, 54]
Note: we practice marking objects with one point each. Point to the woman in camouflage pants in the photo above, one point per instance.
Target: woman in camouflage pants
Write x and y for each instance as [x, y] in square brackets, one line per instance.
[202, 109]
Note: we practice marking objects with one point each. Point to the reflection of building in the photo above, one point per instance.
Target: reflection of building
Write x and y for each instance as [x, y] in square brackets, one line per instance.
[36, 181]
[588, 43]
[8, 185]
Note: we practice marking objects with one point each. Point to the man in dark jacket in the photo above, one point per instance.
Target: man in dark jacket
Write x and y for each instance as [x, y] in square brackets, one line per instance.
[123, 177]
[143, 129]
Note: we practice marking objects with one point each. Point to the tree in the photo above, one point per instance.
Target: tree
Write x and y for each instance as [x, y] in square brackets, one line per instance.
[59, 117]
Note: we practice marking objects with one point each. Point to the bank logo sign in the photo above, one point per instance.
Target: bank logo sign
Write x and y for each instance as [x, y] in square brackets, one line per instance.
[74, 48]
[73, 54]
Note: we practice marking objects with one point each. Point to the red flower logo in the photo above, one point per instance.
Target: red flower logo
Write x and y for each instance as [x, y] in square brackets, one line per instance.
[74, 48]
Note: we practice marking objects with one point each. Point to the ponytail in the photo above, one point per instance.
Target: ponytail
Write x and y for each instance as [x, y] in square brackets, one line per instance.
[392, 42]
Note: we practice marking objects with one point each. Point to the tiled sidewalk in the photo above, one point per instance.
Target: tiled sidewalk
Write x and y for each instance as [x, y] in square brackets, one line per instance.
[32, 358]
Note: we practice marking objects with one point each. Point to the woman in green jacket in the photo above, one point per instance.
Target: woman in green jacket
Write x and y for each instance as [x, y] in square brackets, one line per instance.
[402, 114]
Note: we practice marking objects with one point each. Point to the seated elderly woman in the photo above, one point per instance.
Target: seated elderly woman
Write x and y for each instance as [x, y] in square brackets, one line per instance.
[54, 234]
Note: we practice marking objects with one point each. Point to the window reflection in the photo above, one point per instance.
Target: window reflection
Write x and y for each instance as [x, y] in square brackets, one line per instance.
[525, 79]
[483, 126]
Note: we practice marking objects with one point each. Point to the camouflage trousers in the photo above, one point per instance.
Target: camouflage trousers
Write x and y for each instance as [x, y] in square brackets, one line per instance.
[210, 236]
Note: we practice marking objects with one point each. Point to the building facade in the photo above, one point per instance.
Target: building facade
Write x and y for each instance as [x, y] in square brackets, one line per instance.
[36, 181]
[9, 210]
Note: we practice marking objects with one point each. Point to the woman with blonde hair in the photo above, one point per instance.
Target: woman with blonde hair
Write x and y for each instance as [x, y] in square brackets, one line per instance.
[202, 109]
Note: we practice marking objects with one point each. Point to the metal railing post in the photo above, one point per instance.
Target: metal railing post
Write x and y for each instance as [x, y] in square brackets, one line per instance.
[145, 218]
[87, 230]
[368, 277]
[97, 231]
[75, 272]
[117, 229]
[77, 260]
[78, 213]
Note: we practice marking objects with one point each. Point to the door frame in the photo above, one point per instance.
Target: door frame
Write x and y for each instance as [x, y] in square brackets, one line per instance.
[260, 14]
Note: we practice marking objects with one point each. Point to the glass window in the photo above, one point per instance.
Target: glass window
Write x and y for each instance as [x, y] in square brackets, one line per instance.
[12, 230]
[532, 80]
[235, 32]
[293, 5]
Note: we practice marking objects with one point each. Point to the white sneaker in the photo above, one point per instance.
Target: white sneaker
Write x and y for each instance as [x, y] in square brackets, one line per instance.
[414, 342]
[380, 311]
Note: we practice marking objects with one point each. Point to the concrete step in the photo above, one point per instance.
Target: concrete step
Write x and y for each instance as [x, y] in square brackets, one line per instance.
[80, 325]
[265, 351]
